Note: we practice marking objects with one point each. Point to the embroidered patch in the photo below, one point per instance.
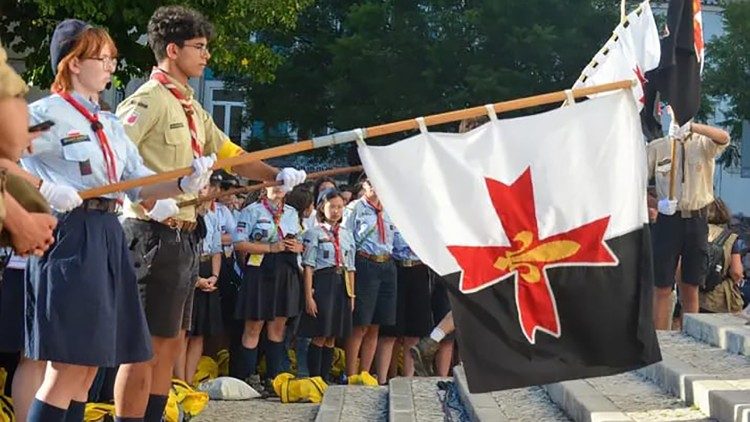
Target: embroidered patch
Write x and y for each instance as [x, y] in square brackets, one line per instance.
[132, 118]
[258, 236]
[74, 139]
[85, 168]
[176, 125]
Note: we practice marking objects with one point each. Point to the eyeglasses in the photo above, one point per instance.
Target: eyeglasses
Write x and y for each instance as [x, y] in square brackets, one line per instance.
[107, 62]
[202, 48]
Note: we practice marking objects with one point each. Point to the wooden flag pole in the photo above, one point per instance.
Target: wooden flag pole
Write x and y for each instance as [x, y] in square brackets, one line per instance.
[259, 186]
[353, 135]
[672, 169]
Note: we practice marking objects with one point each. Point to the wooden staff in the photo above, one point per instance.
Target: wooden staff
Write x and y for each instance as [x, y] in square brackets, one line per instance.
[259, 186]
[672, 168]
[353, 135]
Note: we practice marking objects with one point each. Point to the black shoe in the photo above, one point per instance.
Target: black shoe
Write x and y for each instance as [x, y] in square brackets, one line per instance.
[423, 354]
[255, 382]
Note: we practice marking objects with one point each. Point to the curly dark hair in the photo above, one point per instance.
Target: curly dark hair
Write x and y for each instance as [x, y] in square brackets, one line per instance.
[176, 24]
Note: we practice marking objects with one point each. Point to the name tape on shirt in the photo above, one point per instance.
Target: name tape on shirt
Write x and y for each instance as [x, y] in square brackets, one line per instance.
[74, 139]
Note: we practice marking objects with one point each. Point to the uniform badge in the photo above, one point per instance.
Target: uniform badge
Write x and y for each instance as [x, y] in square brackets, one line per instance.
[85, 167]
[74, 138]
[176, 125]
[132, 118]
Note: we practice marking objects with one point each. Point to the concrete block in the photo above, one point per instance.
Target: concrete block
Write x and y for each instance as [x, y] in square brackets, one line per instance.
[581, 402]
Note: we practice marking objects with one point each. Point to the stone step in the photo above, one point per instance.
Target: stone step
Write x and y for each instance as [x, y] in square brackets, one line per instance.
[353, 403]
[695, 382]
[704, 376]
[415, 399]
[726, 331]
[522, 404]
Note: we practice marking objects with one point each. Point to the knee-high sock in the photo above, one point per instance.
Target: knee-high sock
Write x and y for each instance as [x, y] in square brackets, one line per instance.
[326, 362]
[40, 411]
[155, 408]
[313, 360]
[248, 362]
[274, 357]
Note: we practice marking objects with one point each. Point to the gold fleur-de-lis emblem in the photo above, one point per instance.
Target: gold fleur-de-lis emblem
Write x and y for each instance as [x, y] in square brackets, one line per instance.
[527, 260]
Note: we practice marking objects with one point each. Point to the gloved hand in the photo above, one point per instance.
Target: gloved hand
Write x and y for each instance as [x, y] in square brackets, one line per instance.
[683, 131]
[667, 207]
[163, 209]
[60, 197]
[200, 176]
[291, 177]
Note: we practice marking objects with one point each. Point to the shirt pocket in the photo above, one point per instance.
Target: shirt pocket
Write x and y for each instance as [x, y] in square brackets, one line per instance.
[78, 152]
[261, 232]
[178, 142]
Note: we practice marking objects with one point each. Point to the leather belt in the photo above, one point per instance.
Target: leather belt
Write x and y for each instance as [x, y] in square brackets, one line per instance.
[205, 258]
[408, 263]
[181, 225]
[375, 258]
[101, 204]
[702, 212]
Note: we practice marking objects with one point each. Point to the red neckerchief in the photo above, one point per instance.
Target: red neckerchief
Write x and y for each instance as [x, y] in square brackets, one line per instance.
[187, 106]
[276, 216]
[381, 223]
[96, 126]
[333, 236]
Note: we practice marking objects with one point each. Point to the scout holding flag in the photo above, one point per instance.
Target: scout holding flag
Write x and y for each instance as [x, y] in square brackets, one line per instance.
[170, 128]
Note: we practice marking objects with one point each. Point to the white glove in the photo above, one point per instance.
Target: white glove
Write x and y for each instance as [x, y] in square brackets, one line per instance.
[200, 176]
[667, 207]
[683, 131]
[60, 197]
[163, 209]
[291, 177]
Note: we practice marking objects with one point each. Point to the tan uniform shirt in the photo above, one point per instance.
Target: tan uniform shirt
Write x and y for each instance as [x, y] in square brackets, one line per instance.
[694, 169]
[155, 120]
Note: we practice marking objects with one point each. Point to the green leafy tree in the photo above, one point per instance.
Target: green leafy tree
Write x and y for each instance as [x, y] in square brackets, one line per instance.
[26, 27]
[360, 63]
[727, 74]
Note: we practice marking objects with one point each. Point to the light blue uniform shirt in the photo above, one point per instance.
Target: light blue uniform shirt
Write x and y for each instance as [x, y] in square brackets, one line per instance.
[212, 241]
[256, 224]
[361, 219]
[70, 154]
[401, 249]
[319, 250]
[226, 219]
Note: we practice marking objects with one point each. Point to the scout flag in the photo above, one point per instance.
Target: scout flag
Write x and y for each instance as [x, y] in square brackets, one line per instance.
[538, 225]
[632, 51]
[677, 80]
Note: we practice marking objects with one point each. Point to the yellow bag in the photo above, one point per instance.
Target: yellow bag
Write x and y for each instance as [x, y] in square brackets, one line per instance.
[6, 403]
[363, 378]
[184, 402]
[339, 362]
[97, 412]
[299, 390]
[222, 359]
[207, 369]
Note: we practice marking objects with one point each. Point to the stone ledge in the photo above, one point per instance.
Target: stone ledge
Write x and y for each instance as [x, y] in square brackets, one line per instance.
[716, 395]
[400, 401]
[332, 404]
[480, 407]
[582, 403]
[725, 331]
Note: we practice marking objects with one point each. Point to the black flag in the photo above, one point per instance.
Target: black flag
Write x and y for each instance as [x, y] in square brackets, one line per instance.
[677, 79]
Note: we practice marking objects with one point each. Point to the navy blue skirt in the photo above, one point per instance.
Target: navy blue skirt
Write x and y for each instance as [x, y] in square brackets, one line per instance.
[271, 290]
[334, 317]
[82, 304]
[11, 311]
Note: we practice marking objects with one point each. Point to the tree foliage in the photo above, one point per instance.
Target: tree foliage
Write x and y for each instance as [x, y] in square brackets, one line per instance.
[727, 74]
[27, 25]
[359, 63]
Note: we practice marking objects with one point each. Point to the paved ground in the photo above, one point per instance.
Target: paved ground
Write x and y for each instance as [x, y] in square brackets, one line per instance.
[258, 410]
